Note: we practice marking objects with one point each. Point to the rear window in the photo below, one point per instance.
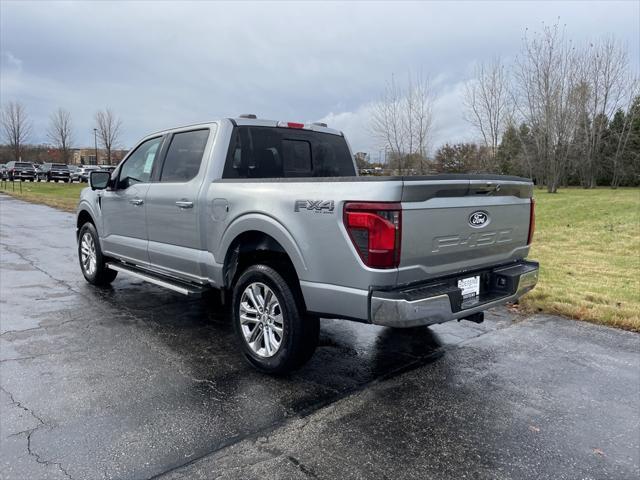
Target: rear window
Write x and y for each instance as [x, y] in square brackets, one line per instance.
[269, 152]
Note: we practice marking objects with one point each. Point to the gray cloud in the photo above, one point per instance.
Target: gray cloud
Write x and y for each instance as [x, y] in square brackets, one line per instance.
[160, 64]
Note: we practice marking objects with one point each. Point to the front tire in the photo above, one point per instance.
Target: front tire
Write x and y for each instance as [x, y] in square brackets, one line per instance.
[274, 333]
[92, 262]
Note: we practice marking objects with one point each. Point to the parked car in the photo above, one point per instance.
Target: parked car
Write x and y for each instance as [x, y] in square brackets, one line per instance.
[274, 215]
[73, 172]
[20, 171]
[3, 171]
[83, 172]
[50, 172]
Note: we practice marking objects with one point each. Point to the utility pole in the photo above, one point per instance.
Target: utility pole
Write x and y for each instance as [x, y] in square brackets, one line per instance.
[95, 142]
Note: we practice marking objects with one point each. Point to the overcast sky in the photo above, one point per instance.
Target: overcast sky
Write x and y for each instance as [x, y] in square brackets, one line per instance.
[160, 64]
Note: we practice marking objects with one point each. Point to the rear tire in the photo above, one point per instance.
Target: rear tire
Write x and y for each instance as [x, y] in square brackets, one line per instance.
[92, 262]
[265, 309]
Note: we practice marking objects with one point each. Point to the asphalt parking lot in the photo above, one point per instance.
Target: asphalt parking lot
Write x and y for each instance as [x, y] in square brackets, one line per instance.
[137, 382]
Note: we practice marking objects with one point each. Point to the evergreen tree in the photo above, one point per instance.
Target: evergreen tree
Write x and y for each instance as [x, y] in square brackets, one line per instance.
[509, 151]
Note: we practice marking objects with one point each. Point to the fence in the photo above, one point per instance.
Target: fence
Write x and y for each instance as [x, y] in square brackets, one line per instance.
[4, 185]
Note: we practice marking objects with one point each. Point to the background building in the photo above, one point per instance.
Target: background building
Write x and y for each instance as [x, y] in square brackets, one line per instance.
[87, 156]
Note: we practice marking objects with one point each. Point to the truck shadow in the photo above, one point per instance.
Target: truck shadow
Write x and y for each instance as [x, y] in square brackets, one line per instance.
[200, 336]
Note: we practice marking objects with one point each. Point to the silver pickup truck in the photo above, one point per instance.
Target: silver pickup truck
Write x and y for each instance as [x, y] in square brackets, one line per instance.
[274, 217]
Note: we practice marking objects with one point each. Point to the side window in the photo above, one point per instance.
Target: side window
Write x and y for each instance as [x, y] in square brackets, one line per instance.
[184, 156]
[137, 168]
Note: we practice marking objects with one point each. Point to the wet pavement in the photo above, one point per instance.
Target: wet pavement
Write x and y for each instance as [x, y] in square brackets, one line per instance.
[134, 381]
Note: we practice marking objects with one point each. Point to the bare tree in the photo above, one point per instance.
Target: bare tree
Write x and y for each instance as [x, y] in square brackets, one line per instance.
[386, 120]
[488, 102]
[403, 120]
[16, 127]
[108, 128]
[420, 105]
[546, 76]
[605, 85]
[60, 132]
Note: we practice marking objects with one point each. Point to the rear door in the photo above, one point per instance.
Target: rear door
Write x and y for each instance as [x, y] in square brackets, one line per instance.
[173, 209]
[123, 206]
[454, 224]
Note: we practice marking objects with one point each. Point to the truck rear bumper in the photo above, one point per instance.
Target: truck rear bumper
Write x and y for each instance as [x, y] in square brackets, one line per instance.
[441, 300]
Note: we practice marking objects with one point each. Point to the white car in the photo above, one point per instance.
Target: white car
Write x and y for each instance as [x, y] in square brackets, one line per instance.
[82, 173]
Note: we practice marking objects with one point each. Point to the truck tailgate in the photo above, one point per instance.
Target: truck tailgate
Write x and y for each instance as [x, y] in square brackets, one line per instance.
[451, 224]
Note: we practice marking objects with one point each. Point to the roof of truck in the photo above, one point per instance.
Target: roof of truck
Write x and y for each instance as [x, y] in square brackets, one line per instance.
[258, 122]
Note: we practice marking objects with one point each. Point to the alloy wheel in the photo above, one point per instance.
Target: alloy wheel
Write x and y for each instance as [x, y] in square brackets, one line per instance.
[88, 254]
[261, 319]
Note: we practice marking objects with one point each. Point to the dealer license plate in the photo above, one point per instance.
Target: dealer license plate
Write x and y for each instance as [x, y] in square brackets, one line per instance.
[470, 287]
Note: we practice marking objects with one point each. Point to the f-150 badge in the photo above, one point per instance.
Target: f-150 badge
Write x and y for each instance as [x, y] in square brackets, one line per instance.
[316, 206]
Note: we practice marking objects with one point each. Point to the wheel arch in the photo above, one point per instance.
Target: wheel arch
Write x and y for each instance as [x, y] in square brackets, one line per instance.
[255, 246]
[84, 215]
[258, 232]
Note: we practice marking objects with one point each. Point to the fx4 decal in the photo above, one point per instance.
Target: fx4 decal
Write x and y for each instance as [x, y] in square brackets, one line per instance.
[316, 206]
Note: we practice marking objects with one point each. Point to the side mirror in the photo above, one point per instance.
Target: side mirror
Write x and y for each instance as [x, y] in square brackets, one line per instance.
[99, 180]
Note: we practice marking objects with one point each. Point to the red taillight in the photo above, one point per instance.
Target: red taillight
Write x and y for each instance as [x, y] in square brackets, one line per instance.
[375, 230]
[532, 221]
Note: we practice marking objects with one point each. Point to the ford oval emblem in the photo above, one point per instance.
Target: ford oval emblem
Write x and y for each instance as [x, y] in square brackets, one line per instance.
[478, 219]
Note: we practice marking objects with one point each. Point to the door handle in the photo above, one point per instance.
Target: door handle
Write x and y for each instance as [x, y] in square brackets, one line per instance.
[184, 204]
[136, 201]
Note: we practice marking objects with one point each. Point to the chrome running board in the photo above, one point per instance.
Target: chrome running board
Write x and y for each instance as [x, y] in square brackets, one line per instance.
[160, 280]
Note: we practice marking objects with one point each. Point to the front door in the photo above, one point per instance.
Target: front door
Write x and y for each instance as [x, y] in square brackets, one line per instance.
[175, 244]
[124, 209]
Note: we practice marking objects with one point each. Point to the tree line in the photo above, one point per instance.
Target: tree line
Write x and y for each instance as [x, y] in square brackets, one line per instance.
[16, 129]
[615, 161]
[561, 114]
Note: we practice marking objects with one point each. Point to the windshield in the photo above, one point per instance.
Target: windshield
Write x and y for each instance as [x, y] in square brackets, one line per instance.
[59, 165]
[21, 164]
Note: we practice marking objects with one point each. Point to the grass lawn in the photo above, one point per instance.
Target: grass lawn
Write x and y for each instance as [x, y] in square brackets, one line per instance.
[588, 245]
[59, 195]
[587, 242]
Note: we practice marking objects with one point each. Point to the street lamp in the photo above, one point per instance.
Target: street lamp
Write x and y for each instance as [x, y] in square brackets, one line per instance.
[95, 142]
